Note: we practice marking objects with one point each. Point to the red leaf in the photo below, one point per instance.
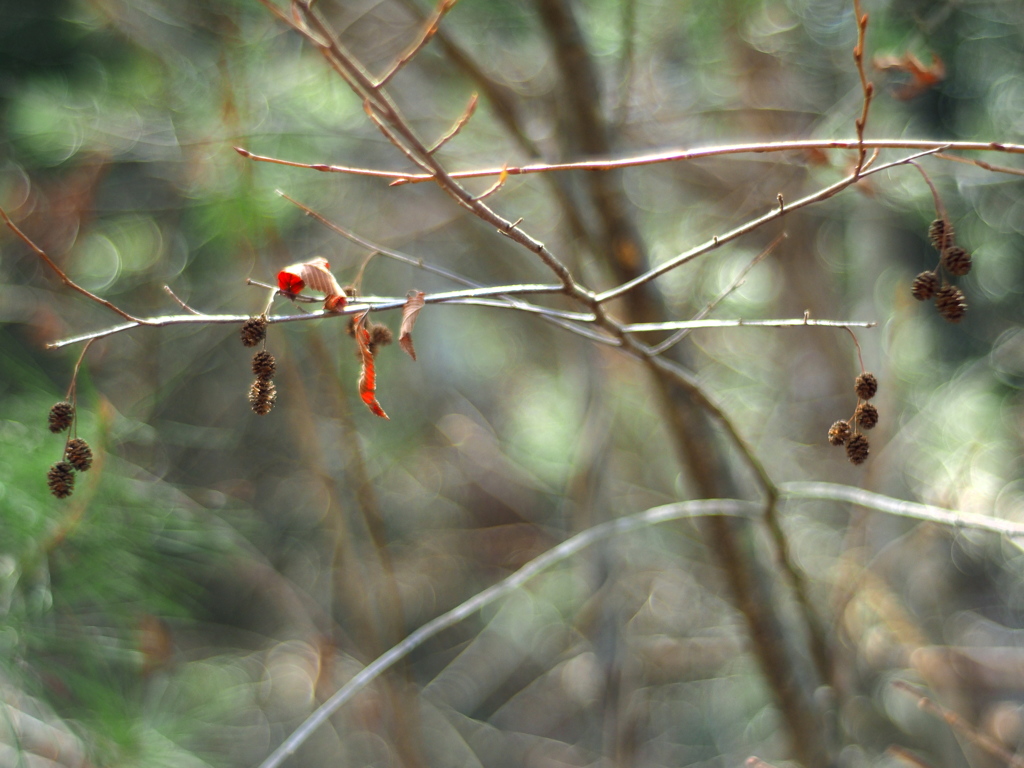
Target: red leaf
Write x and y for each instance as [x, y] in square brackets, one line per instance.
[409, 314]
[316, 273]
[335, 303]
[368, 374]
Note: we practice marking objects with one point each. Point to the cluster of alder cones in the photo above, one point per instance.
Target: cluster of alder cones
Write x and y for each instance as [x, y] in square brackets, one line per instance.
[850, 432]
[949, 300]
[77, 453]
[262, 392]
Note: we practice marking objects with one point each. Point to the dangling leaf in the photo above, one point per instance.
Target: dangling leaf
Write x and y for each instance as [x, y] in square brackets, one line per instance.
[410, 312]
[316, 273]
[368, 373]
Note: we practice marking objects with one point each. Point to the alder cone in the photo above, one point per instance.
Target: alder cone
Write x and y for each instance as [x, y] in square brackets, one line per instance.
[839, 433]
[61, 416]
[925, 285]
[951, 303]
[866, 386]
[254, 330]
[78, 454]
[857, 449]
[866, 416]
[957, 261]
[940, 234]
[61, 479]
[263, 364]
[262, 395]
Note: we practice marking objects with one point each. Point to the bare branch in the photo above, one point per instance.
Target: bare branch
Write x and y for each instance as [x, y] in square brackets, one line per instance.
[181, 303]
[867, 87]
[676, 155]
[431, 29]
[60, 273]
[750, 226]
[800, 322]
[565, 550]
[961, 726]
[371, 303]
[737, 281]
[1013, 531]
[452, 132]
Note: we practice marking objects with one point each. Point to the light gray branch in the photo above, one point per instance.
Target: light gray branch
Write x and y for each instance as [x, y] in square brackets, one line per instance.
[552, 557]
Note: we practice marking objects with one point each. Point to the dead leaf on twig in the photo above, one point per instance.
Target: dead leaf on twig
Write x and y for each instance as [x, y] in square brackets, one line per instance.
[315, 273]
[410, 311]
[368, 372]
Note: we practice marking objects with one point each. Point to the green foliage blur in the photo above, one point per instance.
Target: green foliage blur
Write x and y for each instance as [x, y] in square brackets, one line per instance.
[216, 574]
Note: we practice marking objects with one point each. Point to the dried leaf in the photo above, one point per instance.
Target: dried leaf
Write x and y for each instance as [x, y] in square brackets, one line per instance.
[410, 312]
[368, 373]
[922, 78]
[316, 273]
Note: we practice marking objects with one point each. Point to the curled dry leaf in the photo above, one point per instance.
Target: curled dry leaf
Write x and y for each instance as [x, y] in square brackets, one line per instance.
[410, 311]
[368, 373]
[316, 273]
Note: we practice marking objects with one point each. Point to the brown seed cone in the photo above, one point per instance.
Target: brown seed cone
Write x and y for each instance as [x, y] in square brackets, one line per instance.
[262, 395]
[951, 303]
[857, 449]
[957, 261]
[866, 416]
[61, 416]
[78, 454]
[839, 433]
[940, 234]
[866, 386]
[254, 330]
[61, 479]
[263, 364]
[925, 285]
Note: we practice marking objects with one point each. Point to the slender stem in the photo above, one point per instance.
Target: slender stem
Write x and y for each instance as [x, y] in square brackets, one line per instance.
[750, 226]
[61, 274]
[568, 548]
[672, 156]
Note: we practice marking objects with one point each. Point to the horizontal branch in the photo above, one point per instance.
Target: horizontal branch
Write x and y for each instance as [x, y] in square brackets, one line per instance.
[571, 546]
[877, 501]
[674, 325]
[655, 158]
[371, 303]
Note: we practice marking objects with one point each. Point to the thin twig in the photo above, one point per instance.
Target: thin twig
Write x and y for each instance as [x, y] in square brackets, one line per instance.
[668, 156]
[798, 322]
[60, 273]
[961, 726]
[867, 87]
[750, 226]
[877, 501]
[429, 31]
[981, 164]
[856, 343]
[72, 392]
[374, 304]
[459, 124]
[568, 548]
[180, 302]
[737, 281]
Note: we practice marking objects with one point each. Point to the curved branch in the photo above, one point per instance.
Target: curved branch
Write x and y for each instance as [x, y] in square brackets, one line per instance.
[569, 547]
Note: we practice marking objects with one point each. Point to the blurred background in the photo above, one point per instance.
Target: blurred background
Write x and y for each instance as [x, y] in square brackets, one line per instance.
[217, 574]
